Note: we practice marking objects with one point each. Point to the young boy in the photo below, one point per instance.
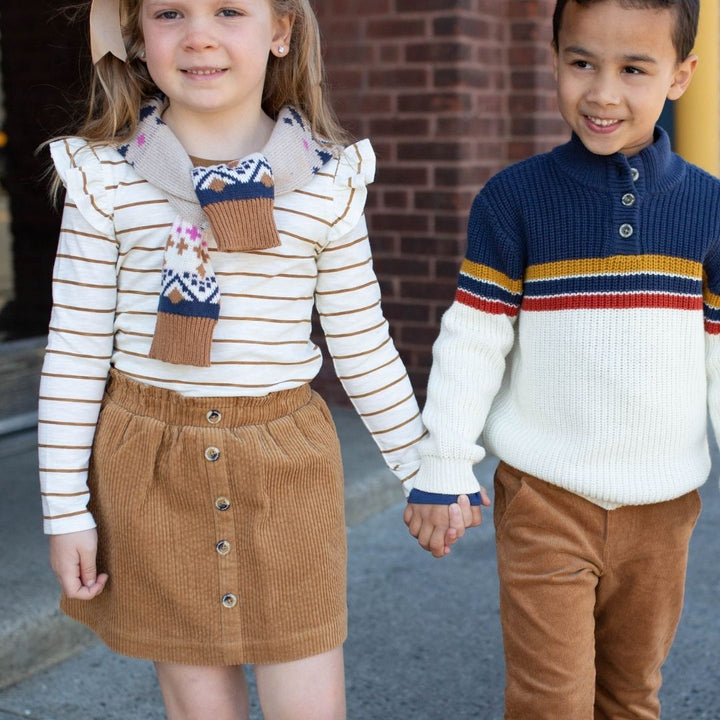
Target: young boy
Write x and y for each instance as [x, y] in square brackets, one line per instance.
[580, 346]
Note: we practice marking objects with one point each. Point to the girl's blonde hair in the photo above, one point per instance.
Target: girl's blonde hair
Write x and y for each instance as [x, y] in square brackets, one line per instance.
[118, 89]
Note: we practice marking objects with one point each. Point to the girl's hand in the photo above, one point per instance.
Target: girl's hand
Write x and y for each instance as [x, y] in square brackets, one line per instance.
[72, 558]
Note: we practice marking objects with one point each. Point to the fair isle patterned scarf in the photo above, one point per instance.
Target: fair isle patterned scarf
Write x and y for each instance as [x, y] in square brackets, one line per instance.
[232, 202]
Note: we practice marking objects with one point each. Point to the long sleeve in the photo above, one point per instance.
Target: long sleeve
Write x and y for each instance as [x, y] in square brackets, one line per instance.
[80, 342]
[347, 297]
[476, 334]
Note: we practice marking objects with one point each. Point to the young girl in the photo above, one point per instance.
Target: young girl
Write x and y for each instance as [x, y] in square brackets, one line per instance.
[209, 202]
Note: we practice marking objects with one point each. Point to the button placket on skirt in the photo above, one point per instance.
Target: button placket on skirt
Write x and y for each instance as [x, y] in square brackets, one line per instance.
[225, 545]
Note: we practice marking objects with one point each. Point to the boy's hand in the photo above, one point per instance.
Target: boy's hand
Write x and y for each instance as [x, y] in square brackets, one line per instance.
[72, 558]
[437, 527]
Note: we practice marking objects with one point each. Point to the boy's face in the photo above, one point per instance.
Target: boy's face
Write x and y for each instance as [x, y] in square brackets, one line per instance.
[614, 68]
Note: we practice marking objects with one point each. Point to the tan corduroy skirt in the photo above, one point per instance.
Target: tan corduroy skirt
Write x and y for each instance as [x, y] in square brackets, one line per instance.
[221, 525]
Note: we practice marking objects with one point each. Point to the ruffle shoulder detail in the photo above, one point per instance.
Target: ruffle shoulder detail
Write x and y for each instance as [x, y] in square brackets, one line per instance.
[86, 173]
[355, 171]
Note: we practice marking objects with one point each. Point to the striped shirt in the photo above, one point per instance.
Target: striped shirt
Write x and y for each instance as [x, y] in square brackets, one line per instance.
[105, 289]
[583, 343]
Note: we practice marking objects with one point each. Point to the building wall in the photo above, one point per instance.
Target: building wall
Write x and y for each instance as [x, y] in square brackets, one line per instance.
[450, 92]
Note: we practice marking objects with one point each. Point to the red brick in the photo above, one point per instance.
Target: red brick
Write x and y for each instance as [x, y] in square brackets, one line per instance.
[433, 151]
[438, 52]
[450, 92]
[421, 335]
[406, 311]
[396, 200]
[401, 127]
[403, 267]
[400, 222]
[402, 175]
[459, 176]
[398, 77]
[424, 6]
[431, 289]
[447, 269]
[402, 27]
[454, 102]
[440, 200]
[474, 28]
[464, 76]
[431, 246]
[451, 224]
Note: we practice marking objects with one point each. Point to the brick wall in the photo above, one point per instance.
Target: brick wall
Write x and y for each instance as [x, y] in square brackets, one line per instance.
[450, 92]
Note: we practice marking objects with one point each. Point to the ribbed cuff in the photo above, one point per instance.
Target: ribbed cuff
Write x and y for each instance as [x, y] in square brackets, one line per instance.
[444, 476]
[243, 225]
[182, 340]
[418, 497]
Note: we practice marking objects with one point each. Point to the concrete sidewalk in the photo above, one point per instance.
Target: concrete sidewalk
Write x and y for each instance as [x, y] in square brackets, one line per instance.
[33, 632]
[424, 638]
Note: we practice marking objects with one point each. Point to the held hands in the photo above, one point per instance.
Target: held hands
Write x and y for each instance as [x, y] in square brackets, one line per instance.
[437, 527]
[72, 558]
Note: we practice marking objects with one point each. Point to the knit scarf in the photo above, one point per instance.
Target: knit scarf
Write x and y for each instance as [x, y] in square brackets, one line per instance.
[231, 202]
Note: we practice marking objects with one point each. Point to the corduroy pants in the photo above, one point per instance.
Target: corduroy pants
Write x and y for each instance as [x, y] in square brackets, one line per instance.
[589, 599]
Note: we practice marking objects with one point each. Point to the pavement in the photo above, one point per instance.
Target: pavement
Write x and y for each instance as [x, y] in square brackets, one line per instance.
[424, 639]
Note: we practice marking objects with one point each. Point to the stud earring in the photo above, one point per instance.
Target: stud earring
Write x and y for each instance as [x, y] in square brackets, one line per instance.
[142, 54]
[281, 49]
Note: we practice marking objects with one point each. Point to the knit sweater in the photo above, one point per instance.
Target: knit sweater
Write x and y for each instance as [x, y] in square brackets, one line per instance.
[583, 342]
[106, 284]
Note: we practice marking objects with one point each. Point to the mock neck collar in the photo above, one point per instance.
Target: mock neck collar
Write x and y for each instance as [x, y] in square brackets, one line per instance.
[657, 166]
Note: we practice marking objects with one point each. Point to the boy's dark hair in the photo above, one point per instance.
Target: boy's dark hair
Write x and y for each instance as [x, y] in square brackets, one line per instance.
[686, 19]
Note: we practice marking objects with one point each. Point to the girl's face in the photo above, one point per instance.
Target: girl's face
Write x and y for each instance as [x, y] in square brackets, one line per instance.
[209, 57]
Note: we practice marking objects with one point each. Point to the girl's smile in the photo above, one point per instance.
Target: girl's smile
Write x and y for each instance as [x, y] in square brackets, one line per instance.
[204, 72]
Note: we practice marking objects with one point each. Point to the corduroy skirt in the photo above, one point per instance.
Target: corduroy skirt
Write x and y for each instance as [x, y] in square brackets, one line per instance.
[220, 524]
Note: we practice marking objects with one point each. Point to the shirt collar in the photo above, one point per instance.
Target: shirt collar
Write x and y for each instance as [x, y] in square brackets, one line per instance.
[654, 169]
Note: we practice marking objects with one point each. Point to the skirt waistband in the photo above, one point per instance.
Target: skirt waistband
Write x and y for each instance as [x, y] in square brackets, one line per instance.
[173, 408]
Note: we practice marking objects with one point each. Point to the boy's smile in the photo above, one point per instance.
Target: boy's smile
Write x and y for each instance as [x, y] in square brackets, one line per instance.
[615, 67]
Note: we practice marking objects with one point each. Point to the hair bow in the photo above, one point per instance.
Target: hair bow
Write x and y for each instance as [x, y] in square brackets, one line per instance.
[105, 30]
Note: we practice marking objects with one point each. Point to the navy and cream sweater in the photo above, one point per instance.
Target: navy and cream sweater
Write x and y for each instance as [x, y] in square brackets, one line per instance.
[584, 339]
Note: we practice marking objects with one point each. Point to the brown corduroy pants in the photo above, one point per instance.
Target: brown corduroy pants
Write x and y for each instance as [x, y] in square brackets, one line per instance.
[589, 599]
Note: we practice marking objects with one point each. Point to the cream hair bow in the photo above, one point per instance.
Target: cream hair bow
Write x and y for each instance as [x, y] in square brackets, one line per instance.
[105, 30]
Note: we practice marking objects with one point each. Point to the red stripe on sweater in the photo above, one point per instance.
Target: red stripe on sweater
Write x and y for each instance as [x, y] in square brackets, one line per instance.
[612, 301]
[494, 307]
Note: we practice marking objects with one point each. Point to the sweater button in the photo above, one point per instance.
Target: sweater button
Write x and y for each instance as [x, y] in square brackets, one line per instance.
[212, 454]
[634, 174]
[626, 230]
[214, 417]
[223, 547]
[628, 200]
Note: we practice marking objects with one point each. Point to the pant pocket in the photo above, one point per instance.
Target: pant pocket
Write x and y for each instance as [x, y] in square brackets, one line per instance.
[509, 486]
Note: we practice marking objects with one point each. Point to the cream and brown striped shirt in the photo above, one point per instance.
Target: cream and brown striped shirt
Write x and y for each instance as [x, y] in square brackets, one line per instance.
[105, 288]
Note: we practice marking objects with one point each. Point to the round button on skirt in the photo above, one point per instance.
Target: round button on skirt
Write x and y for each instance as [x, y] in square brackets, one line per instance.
[221, 526]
